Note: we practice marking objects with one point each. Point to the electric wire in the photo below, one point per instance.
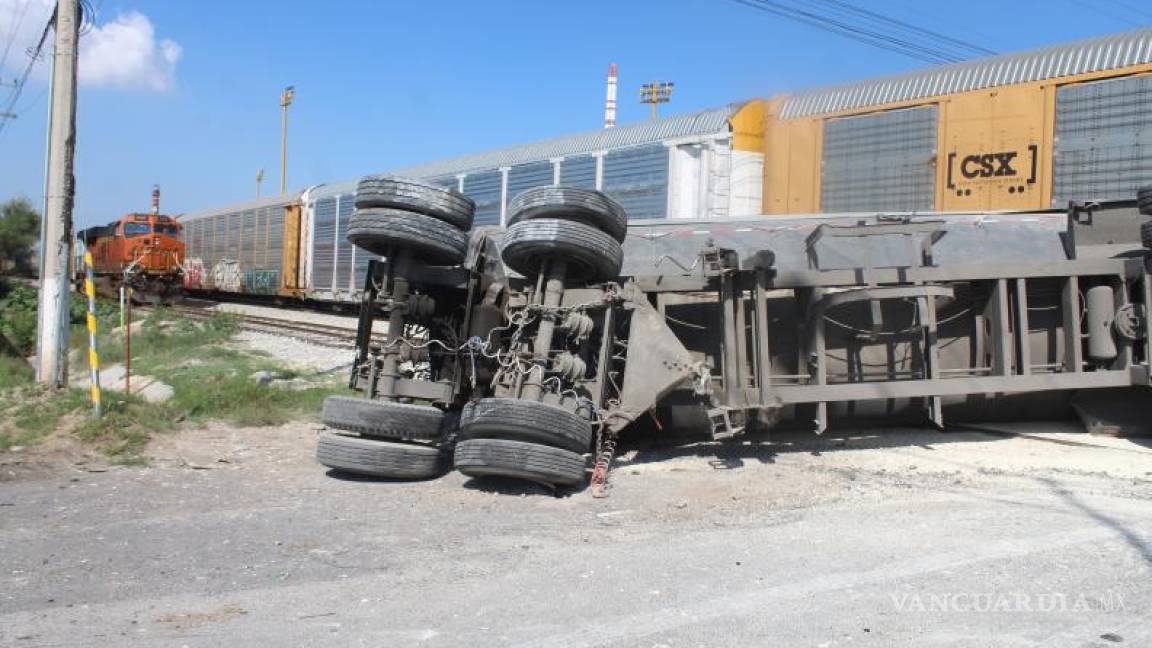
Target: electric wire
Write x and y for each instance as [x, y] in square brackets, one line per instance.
[964, 47]
[34, 56]
[12, 32]
[883, 39]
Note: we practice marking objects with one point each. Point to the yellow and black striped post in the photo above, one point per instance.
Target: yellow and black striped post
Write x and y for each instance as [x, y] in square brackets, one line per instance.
[93, 357]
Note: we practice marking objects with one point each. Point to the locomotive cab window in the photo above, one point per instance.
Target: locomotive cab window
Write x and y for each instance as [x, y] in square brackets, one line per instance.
[168, 230]
[136, 229]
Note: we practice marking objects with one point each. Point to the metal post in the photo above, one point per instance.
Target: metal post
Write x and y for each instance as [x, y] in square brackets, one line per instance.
[763, 350]
[1023, 343]
[56, 228]
[286, 98]
[128, 348]
[553, 294]
[93, 356]
[364, 326]
[400, 265]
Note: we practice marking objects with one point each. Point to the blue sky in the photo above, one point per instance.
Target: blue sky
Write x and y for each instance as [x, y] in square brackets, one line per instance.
[185, 94]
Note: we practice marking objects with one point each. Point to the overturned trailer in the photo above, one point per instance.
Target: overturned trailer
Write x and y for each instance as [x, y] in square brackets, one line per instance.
[536, 346]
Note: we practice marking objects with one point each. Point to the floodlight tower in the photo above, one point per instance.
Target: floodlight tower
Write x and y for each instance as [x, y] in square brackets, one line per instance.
[656, 93]
[286, 98]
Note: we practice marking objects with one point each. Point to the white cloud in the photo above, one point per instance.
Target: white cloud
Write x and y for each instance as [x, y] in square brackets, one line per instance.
[121, 53]
[124, 53]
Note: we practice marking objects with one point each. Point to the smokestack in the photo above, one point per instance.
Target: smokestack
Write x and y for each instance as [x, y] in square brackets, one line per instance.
[610, 100]
[155, 200]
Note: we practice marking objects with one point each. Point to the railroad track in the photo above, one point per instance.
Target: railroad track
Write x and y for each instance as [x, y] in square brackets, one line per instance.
[322, 334]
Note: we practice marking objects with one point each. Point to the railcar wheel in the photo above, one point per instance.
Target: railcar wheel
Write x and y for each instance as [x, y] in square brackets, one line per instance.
[376, 458]
[382, 419]
[531, 461]
[591, 255]
[524, 420]
[379, 230]
[586, 206]
[448, 205]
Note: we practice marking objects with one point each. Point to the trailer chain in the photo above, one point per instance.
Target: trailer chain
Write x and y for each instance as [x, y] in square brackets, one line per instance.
[605, 452]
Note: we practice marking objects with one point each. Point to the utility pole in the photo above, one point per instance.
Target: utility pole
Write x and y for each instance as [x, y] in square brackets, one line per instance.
[656, 93]
[56, 226]
[259, 179]
[285, 101]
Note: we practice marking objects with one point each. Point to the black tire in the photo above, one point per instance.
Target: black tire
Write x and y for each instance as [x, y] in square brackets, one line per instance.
[448, 205]
[523, 420]
[1144, 201]
[586, 206]
[481, 457]
[378, 230]
[375, 458]
[592, 255]
[382, 419]
[1146, 234]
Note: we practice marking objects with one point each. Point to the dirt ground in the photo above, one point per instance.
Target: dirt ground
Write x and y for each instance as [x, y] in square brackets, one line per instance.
[1027, 535]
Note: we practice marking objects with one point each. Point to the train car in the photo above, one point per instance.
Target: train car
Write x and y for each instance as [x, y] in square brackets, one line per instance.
[1025, 131]
[294, 247]
[140, 250]
[1019, 131]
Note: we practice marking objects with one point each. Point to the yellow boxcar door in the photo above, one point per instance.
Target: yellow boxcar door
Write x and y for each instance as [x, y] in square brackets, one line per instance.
[994, 150]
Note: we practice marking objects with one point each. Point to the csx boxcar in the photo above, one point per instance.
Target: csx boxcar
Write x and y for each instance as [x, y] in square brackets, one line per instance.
[1024, 131]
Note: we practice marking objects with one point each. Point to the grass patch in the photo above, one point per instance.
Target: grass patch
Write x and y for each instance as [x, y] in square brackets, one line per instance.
[14, 372]
[210, 380]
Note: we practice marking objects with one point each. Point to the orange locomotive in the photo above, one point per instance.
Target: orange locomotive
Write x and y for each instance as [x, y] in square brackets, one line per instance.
[145, 251]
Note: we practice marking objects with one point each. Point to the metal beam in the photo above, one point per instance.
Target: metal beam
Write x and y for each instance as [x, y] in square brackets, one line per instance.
[1000, 336]
[763, 351]
[952, 386]
[1023, 348]
[1070, 303]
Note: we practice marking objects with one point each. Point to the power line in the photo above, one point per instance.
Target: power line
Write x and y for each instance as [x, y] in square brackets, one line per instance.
[882, 38]
[964, 47]
[1096, 9]
[12, 32]
[1128, 7]
[865, 36]
[33, 56]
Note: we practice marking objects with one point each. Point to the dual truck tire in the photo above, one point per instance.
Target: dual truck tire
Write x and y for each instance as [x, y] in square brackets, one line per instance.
[396, 213]
[501, 436]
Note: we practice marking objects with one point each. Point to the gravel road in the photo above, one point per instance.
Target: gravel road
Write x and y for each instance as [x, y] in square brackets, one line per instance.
[235, 537]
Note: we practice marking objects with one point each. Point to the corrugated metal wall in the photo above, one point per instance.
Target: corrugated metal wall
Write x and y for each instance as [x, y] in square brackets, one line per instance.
[324, 218]
[1103, 147]
[344, 248]
[274, 259]
[638, 179]
[879, 162]
[579, 171]
[484, 188]
[525, 176]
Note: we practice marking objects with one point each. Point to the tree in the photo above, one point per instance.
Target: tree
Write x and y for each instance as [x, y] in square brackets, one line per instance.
[19, 230]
